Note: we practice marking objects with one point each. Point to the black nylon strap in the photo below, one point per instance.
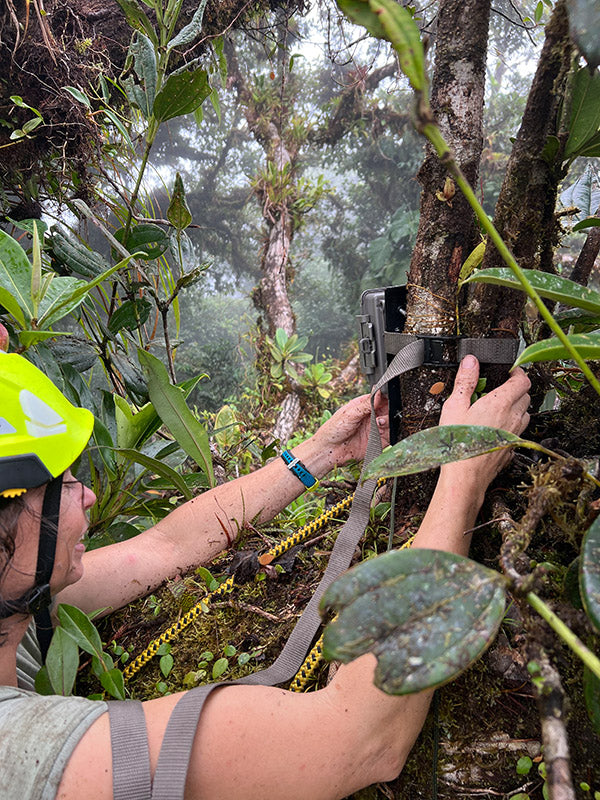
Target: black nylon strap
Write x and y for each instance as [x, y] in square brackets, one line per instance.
[488, 351]
[45, 561]
[130, 755]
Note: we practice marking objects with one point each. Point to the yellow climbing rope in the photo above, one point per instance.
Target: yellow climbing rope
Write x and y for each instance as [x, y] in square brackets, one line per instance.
[174, 630]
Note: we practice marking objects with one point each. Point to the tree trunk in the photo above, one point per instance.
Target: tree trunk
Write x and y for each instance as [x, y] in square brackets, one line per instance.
[447, 231]
[525, 210]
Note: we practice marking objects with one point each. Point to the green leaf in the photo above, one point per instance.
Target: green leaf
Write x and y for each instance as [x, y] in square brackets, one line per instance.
[11, 305]
[113, 682]
[60, 307]
[112, 117]
[15, 275]
[190, 32]
[440, 445]
[589, 573]
[170, 405]
[227, 428]
[181, 94]
[585, 109]
[582, 194]
[78, 95]
[166, 664]
[178, 213]
[60, 292]
[159, 468]
[584, 24]
[360, 12]
[130, 315]
[137, 19]
[62, 662]
[29, 338]
[472, 261]
[524, 765]
[586, 344]
[553, 287]
[219, 667]
[402, 31]
[591, 693]
[427, 615]
[143, 53]
[80, 628]
[590, 222]
[42, 682]
[147, 240]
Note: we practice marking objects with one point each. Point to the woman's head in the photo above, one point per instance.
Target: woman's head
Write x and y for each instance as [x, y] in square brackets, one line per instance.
[41, 434]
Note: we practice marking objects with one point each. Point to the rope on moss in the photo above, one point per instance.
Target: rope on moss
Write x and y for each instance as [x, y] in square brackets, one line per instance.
[286, 544]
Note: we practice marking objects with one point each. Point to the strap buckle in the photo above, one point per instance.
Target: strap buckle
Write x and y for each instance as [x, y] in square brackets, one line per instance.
[440, 351]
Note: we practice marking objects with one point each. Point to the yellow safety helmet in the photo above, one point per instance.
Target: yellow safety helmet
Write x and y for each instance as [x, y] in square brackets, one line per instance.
[41, 432]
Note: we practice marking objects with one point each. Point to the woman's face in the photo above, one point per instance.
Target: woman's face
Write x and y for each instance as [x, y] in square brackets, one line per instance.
[76, 500]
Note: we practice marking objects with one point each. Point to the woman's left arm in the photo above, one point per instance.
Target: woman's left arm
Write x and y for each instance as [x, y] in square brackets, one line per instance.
[199, 529]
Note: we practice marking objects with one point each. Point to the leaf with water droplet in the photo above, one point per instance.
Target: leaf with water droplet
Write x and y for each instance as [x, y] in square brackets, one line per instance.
[426, 615]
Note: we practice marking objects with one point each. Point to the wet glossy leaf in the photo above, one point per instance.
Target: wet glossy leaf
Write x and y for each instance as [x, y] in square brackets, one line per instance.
[591, 693]
[158, 467]
[589, 573]
[585, 108]
[586, 344]
[440, 445]
[582, 194]
[178, 213]
[170, 405]
[182, 93]
[146, 239]
[584, 23]
[220, 666]
[552, 287]
[425, 614]
[130, 315]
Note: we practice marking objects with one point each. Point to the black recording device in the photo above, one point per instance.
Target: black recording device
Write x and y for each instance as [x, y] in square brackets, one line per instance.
[381, 336]
[381, 310]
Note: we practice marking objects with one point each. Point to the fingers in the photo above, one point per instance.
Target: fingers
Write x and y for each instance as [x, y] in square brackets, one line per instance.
[465, 384]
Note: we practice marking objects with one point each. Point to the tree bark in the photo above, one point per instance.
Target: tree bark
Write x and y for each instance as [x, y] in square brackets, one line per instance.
[447, 231]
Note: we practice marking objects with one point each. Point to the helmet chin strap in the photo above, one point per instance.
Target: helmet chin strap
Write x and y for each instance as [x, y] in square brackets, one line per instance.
[37, 600]
[45, 562]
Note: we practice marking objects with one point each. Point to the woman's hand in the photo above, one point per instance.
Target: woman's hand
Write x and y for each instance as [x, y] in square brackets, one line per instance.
[344, 436]
[504, 407]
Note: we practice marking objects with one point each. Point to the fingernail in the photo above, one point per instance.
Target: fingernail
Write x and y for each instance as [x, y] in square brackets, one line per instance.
[469, 362]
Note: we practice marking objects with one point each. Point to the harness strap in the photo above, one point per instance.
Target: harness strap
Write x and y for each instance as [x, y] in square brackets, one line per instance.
[130, 755]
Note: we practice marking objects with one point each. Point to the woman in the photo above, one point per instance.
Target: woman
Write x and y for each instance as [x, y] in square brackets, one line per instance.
[252, 741]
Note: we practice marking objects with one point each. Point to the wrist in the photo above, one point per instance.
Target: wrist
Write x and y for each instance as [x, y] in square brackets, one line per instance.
[318, 461]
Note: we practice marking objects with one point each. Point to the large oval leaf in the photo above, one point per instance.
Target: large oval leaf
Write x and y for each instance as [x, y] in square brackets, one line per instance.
[441, 445]
[585, 109]
[147, 240]
[586, 344]
[191, 31]
[589, 573]
[182, 93]
[553, 287]
[80, 628]
[425, 614]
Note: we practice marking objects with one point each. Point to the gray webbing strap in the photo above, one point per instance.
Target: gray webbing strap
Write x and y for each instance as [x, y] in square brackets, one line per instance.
[173, 760]
[488, 351]
[130, 756]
